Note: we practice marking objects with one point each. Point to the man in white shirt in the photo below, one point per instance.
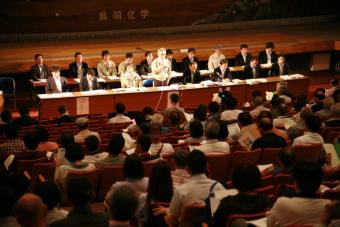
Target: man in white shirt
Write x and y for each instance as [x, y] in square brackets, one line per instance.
[306, 208]
[311, 135]
[215, 58]
[120, 117]
[106, 67]
[157, 148]
[258, 107]
[55, 83]
[82, 123]
[193, 192]
[283, 121]
[231, 113]
[212, 131]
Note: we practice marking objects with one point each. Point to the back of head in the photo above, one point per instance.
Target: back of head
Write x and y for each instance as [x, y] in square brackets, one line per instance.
[7, 198]
[256, 93]
[174, 98]
[180, 157]
[133, 167]
[212, 130]
[200, 114]
[6, 116]
[244, 118]
[82, 122]
[123, 203]
[197, 162]
[120, 108]
[144, 142]
[174, 117]
[79, 191]
[92, 144]
[286, 158]
[231, 103]
[265, 124]
[49, 193]
[334, 82]
[196, 129]
[74, 152]
[31, 141]
[308, 176]
[62, 109]
[160, 186]
[313, 123]
[213, 107]
[157, 119]
[42, 134]
[148, 110]
[11, 130]
[30, 211]
[24, 110]
[155, 131]
[66, 138]
[282, 109]
[140, 118]
[258, 101]
[116, 144]
[223, 134]
[246, 177]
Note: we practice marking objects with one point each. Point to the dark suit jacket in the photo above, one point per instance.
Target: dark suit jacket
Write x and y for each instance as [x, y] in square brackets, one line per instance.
[36, 75]
[25, 121]
[51, 87]
[218, 73]
[84, 84]
[248, 72]
[185, 63]
[174, 65]
[72, 70]
[64, 119]
[239, 61]
[187, 77]
[145, 68]
[263, 57]
[275, 71]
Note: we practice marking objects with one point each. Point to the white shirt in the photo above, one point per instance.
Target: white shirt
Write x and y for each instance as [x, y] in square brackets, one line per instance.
[119, 118]
[255, 112]
[296, 211]
[166, 149]
[58, 84]
[308, 138]
[269, 57]
[229, 115]
[214, 146]
[81, 136]
[192, 192]
[90, 83]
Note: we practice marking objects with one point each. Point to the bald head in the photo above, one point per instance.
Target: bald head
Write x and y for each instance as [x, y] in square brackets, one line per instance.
[31, 211]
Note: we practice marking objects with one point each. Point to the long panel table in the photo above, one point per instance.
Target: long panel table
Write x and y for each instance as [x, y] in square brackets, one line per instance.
[103, 101]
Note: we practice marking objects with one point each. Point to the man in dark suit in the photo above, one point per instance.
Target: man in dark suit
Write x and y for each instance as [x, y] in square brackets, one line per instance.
[170, 57]
[192, 75]
[243, 58]
[78, 68]
[64, 116]
[89, 82]
[189, 58]
[145, 66]
[39, 70]
[252, 71]
[268, 56]
[222, 72]
[56, 83]
[279, 68]
[25, 119]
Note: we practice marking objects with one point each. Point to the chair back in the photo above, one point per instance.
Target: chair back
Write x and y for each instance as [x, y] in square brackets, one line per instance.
[238, 158]
[27, 165]
[110, 174]
[148, 165]
[45, 170]
[192, 216]
[310, 152]
[270, 156]
[7, 85]
[255, 216]
[92, 176]
[218, 166]
[331, 194]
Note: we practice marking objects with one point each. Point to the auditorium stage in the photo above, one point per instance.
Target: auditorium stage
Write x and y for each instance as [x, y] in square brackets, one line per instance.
[322, 37]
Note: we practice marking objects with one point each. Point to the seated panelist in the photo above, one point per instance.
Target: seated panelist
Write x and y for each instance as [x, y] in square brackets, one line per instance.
[222, 72]
[55, 83]
[192, 75]
[253, 70]
[130, 78]
[280, 68]
[89, 82]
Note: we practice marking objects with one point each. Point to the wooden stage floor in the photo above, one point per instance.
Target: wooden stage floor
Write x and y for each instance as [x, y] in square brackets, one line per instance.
[322, 37]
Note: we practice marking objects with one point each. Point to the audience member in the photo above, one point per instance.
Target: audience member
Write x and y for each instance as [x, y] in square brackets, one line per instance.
[180, 174]
[311, 135]
[115, 155]
[7, 198]
[31, 211]
[82, 124]
[93, 152]
[196, 132]
[327, 104]
[335, 120]
[12, 143]
[212, 132]
[258, 107]
[157, 148]
[133, 171]
[44, 143]
[231, 113]
[123, 205]
[246, 179]
[306, 208]
[65, 139]
[335, 86]
[120, 117]
[283, 120]
[79, 193]
[25, 119]
[64, 116]
[214, 112]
